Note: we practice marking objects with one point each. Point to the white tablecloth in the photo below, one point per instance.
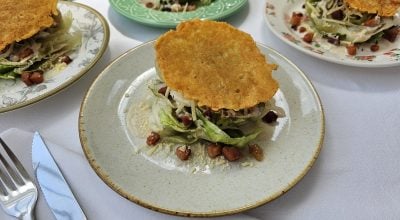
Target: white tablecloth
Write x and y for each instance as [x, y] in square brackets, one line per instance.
[357, 175]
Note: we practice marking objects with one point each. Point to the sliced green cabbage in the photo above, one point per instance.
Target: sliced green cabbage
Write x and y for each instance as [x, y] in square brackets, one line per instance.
[211, 132]
[170, 129]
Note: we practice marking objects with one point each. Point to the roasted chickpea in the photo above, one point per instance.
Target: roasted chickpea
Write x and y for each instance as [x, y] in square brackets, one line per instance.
[153, 139]
[214, 150]
[231, 153]
[36, 77]
[308, 37]
[256, 151]
[374, 47]
[302, 29]
[351, 49]
[295, 20]
[25, 78]
[183, 152]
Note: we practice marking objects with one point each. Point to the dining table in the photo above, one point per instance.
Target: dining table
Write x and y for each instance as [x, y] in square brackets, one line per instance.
[356, 175]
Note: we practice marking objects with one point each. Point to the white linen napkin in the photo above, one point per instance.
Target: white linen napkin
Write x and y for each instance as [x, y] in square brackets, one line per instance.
[97, 200]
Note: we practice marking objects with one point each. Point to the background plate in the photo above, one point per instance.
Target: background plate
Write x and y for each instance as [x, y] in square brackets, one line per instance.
[95, 36]
[164, 183]
[277, 16]
[134, 10]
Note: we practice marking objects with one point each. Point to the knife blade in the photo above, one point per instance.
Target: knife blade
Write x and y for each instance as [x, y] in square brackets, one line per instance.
[56, 191]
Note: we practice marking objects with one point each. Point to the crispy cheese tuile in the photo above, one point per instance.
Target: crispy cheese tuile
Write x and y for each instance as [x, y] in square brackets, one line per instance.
[21, 19]
[381, 7]
[215, 65]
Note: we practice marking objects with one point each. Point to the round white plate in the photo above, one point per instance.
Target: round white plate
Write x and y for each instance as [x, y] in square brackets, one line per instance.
[277, 15]
[158, 180]
[95, 36]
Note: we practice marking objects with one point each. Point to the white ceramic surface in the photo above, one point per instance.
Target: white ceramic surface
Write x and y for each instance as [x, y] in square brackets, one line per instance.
[160, 181]
[95, 36]
[277, 14]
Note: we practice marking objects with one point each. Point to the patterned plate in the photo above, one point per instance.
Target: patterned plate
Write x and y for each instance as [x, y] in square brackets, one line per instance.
[95, 36]
[277, 15]
[136, 11]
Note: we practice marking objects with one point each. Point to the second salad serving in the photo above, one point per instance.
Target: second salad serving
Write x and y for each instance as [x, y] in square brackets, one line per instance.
[349, 22]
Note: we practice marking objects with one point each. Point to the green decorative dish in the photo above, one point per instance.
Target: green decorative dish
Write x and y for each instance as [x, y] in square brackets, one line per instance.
[136, 11]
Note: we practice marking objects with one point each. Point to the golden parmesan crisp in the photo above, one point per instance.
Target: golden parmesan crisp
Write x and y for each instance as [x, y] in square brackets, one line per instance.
[215, 65]
[21, 19]
[380, 7]
[389, 7]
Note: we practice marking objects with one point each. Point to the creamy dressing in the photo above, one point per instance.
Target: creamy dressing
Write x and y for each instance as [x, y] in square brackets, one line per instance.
[354, 33]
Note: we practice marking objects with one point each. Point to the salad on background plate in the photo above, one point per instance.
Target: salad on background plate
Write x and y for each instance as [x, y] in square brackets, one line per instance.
[80, 39]
[341, 23]
[175, 5]
[168, 13]
[340, 31]
[48, 49]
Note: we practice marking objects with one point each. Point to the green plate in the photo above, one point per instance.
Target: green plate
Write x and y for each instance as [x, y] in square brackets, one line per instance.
[136, 11]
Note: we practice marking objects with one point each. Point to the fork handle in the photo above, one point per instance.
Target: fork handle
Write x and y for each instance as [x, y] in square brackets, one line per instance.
[28, 216]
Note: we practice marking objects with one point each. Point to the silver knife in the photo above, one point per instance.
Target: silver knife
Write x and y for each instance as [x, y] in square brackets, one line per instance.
[52, 183]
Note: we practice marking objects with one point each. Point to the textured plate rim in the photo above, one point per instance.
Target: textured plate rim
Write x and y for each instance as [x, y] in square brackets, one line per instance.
[77, 76]
[173, 24]
[106, 179]
[322, 57]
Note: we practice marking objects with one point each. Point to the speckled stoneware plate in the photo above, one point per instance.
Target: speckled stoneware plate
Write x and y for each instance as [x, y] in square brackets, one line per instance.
[113, 125]
[277, 15]
[136, 11]
[95, 36]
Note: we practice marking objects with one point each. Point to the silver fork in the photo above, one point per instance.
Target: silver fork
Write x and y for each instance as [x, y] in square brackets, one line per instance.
[18, 194]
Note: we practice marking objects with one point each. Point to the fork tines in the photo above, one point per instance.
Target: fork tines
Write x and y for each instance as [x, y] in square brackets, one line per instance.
[11, 176]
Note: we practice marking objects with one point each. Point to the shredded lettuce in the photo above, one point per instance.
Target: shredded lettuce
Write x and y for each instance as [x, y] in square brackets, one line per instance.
[164, 121]
[211, 132]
